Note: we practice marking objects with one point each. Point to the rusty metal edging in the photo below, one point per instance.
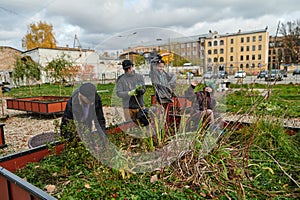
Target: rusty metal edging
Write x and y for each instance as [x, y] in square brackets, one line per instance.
[31, 189]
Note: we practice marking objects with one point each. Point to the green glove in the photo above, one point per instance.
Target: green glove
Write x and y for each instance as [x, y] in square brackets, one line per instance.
[139, 87]
[132, 93]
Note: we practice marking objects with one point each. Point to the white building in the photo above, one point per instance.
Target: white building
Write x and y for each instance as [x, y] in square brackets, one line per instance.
[91, 67]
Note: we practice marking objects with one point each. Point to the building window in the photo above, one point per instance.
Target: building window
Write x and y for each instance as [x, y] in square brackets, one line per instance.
[231, 49]
[247, 48]
[221, 59]
[215, 51]
[215, 43]
[259, 47]
[253, 65]
[231, 58]
[242, 48]
[248, 39]
[253, 48]
[209, 60]
[215, 59]
[247, 65]
[247, 57]
[188, 44]
[253, 57]
[242, 58]
[259, 56]
[241, 66]
[209, 44]
[260, 38]
[254, 39]
[221, 51]
[242, 40]
[231, 41]
[222, 42]
[209, 52]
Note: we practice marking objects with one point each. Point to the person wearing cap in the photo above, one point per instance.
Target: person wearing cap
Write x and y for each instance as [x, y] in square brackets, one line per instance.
[131, 88]
[164, 83]
[84, 106]
[203, 105]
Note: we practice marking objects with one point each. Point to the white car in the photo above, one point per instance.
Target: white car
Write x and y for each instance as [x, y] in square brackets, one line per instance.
[240, 74]
[209, 75]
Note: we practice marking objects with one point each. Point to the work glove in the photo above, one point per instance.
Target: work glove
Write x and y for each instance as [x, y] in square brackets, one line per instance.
[139, 88]
[132, 93]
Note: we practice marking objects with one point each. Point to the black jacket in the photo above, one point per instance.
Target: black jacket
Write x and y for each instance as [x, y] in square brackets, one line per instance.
[73, 111]
[200, 100]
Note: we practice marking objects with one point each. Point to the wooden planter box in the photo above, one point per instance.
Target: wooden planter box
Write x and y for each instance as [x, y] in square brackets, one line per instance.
[40, 104]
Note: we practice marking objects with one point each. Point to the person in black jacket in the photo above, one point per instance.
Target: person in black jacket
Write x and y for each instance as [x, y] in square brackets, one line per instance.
[203, 106]
[83, 109]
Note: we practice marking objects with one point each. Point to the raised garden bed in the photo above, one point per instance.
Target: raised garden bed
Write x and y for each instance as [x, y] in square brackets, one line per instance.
[39, 104]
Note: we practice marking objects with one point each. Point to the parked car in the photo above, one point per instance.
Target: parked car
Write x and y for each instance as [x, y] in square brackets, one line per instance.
[296, 71]
[274, 75]
[222, 74]
[5, 89]
[262, 74]
[188, 75]
[210, 75]
[283, 73]
[240, 74]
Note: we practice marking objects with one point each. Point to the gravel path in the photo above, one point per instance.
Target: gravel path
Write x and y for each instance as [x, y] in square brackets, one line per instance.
[20, 126]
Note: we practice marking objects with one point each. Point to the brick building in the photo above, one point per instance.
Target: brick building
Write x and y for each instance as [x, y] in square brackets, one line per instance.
[8, 57]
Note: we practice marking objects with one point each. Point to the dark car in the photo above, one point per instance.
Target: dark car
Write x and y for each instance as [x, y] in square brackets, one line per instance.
[5, 89]
[274, 75]
[262, 74]
[296, 71]
[283, 72]
[222, 74]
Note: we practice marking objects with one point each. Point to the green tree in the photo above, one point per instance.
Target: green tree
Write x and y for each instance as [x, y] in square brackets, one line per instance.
[139, 60]
[39, 35]
[291, 40]
[26, 71]
[61, 69]
[58, 69]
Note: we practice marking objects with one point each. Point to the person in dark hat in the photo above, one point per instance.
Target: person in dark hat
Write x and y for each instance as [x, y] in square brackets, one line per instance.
[83, 107]
[131, 88]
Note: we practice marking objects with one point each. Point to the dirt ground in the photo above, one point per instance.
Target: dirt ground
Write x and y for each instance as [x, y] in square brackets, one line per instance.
[20, 126]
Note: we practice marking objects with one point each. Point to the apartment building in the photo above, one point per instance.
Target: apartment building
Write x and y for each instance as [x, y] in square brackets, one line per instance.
[246, 51]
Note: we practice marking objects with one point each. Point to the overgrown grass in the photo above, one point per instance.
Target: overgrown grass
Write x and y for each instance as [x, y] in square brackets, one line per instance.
[257, 162]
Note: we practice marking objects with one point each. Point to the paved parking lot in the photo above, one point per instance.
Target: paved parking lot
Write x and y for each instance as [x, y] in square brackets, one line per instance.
[249, 79]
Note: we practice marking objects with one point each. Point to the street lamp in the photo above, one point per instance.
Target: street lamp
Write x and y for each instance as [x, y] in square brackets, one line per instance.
[131, 34]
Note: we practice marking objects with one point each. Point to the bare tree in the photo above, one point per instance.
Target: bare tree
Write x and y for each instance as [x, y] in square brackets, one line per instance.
[291, 40]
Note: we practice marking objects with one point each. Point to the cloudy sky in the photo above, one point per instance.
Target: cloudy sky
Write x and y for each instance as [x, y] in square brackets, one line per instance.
[101, 24]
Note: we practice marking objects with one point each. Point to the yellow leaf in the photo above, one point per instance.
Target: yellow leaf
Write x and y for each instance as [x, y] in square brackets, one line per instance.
[87, 185]
[269, 169]
[50, 188]
[153, 178]
[67, 182]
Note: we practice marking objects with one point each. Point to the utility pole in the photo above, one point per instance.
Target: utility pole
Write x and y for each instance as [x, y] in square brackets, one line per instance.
[78, 43]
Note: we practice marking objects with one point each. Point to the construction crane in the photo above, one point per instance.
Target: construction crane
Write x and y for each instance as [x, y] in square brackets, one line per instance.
[76, 41]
